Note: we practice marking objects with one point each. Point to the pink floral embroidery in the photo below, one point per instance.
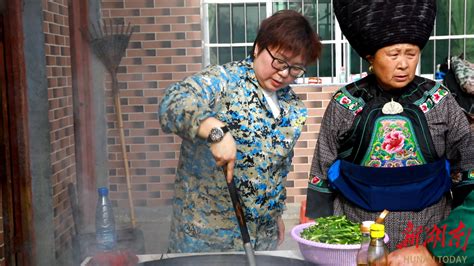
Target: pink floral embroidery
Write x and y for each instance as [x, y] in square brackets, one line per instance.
[401, 123]
[345, 100]
[393, 142]
[424, 107]
[315, 180]
[436, 97]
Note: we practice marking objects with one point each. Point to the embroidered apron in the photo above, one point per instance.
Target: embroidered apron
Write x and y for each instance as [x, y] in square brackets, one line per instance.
[388, 161]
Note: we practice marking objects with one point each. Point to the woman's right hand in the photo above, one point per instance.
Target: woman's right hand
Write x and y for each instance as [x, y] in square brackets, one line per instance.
[224, 153]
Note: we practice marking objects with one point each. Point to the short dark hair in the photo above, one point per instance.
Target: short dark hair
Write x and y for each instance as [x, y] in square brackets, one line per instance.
[290, 31]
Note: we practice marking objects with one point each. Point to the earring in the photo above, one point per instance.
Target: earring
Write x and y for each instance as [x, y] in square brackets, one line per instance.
[371, 69]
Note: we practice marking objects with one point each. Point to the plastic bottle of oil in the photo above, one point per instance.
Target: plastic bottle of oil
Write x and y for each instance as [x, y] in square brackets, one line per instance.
[362, 259]
[377, 252]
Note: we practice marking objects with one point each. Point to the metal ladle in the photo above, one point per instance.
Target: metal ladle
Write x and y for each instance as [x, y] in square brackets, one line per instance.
[242, 224]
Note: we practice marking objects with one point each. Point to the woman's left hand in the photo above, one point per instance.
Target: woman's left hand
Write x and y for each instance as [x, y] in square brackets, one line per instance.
[414, 255]
[281, 230]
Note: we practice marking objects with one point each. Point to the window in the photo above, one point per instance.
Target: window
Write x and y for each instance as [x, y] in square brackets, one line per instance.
[453, 34]
[230, 27]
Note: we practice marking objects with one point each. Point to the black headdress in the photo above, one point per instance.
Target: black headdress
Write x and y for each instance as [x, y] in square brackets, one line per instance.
[373, 24]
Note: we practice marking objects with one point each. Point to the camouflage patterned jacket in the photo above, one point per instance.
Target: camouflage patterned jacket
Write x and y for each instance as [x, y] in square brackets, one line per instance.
[204, 219]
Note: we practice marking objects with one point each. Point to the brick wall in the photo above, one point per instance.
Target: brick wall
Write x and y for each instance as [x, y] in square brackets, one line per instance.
[166, 48]
[316, 99]
[60, 115]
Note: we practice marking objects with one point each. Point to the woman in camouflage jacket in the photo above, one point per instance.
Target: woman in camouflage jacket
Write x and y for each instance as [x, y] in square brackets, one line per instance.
[242, 118]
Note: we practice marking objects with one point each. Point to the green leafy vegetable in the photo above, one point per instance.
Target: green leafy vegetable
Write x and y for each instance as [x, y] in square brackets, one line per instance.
[333, 230]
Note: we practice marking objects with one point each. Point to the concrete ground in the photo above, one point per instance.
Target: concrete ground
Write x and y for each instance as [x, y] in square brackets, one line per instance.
[155, 225]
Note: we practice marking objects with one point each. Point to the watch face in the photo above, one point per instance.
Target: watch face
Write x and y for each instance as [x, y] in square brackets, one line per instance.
[216, 135]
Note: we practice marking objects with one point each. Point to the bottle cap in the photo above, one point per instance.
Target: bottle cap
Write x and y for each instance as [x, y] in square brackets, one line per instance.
[365, 226]
[103, 191]
[377, 230]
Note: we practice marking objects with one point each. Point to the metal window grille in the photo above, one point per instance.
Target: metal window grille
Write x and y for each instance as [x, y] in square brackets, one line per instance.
[230, 26]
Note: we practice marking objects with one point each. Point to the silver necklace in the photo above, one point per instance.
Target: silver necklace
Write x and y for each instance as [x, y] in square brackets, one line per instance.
[392, 108]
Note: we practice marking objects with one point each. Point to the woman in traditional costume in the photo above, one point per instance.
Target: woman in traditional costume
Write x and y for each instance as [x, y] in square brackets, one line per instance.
[392, 140]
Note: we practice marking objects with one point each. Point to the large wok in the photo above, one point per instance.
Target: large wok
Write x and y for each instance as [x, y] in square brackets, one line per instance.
[226, 260]
[216, 259]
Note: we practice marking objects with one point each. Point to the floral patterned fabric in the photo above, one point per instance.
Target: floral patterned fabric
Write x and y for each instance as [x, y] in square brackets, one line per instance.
[434, 96]
[464, 72]
[393, 144]
[203, 216]
[344, 98]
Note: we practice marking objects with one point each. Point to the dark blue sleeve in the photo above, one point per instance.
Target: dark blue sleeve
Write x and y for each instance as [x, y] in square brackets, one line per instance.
[319, 203]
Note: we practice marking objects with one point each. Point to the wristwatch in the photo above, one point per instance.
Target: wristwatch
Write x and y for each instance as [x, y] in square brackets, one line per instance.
[217, 134]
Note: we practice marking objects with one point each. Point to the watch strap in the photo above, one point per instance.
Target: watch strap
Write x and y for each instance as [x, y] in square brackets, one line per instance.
[225, 129]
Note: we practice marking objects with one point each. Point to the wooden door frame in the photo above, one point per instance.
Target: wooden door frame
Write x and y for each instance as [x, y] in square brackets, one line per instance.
[83, 109]
[19, 232]
[16, 186]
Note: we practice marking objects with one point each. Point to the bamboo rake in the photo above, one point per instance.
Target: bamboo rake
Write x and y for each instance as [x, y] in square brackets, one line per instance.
[110, 43]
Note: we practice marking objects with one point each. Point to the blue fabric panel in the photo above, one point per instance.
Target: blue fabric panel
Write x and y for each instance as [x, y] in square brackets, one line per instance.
[397, 189]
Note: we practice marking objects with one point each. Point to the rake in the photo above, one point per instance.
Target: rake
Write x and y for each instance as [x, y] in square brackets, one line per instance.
[109, 43]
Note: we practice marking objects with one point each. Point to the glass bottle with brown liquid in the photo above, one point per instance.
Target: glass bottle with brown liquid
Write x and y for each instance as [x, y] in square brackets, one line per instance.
[378, 251]
[362, 259]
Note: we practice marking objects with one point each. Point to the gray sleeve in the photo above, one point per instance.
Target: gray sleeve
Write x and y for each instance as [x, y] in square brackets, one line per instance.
[336, 121]
[451, 134]
[459, 138]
